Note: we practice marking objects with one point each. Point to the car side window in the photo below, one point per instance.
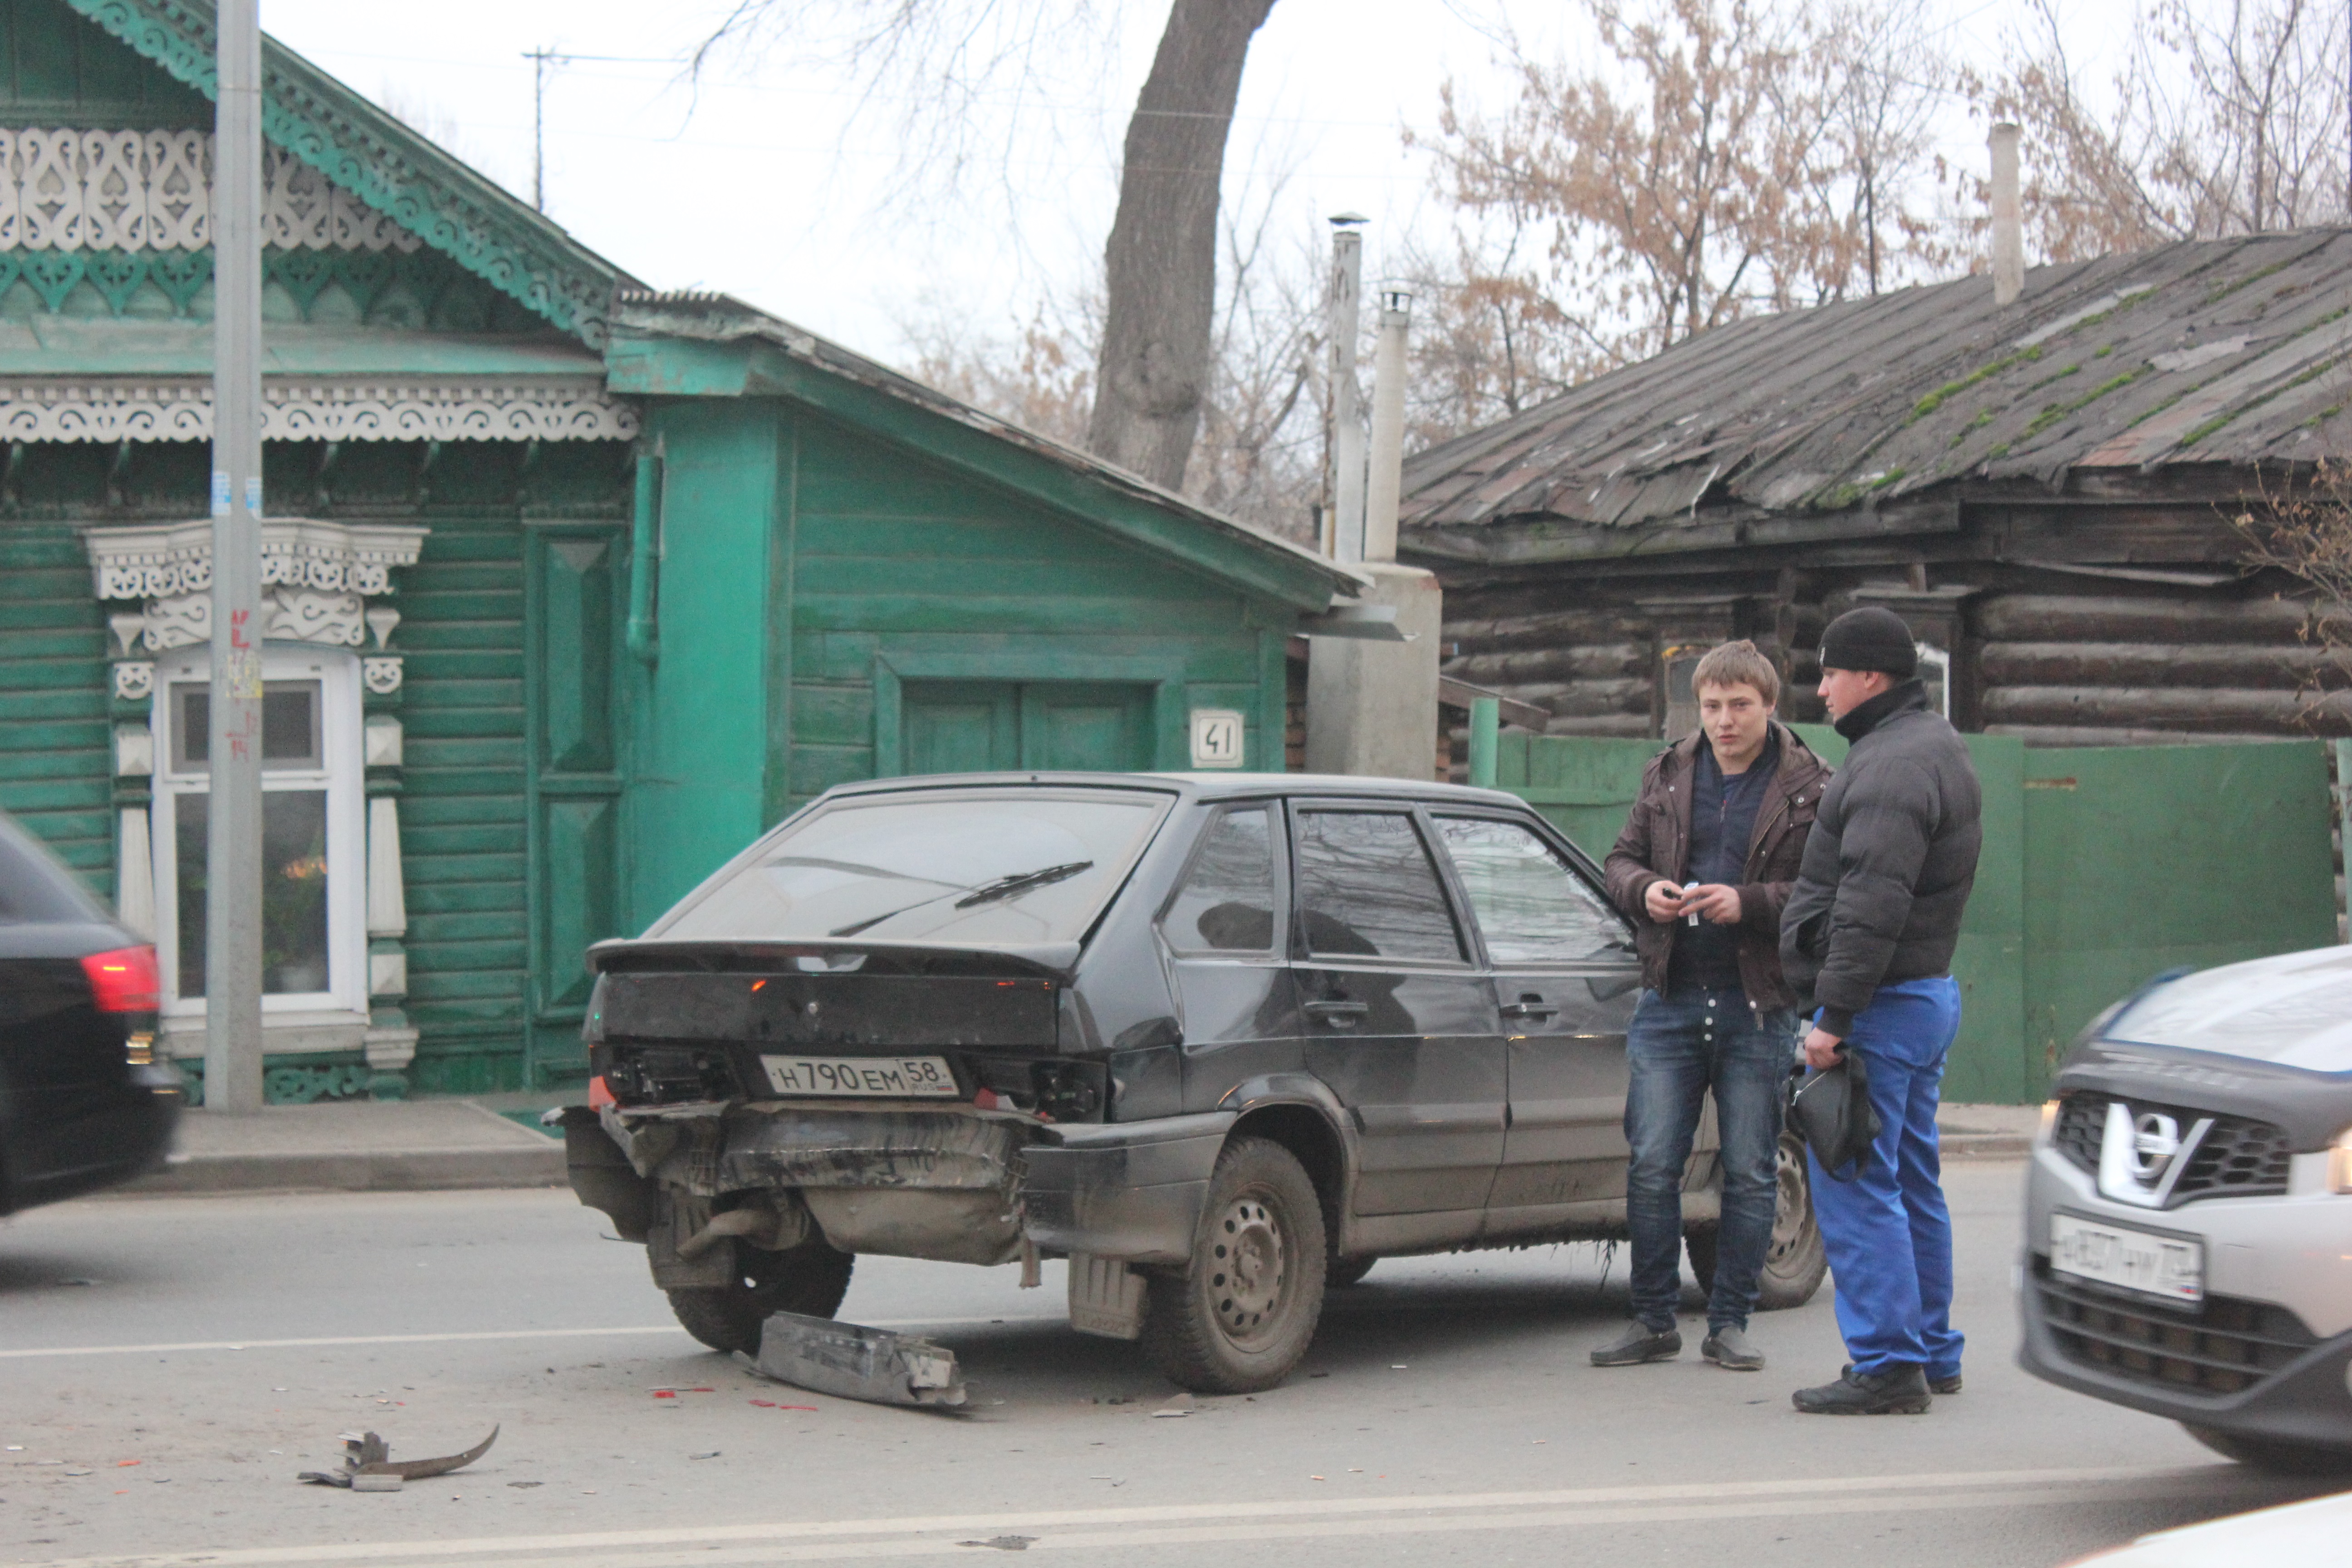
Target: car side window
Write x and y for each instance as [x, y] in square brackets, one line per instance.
[1531, 906]
[1226, 902]
[1368, 889]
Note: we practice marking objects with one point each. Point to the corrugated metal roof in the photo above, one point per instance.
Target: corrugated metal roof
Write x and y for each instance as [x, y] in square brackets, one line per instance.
[2206, 352]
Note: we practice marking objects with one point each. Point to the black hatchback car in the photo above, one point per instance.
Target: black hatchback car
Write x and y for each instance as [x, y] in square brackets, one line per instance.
[83, 1105]
[1221, 1041]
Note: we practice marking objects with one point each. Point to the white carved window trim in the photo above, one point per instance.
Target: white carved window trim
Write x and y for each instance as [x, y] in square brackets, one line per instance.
[344, 774]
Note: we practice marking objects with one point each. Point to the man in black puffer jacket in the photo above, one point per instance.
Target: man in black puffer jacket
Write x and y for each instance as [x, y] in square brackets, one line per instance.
[1869, 932]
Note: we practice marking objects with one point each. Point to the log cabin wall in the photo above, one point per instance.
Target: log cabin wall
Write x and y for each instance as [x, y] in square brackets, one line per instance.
[2167, 640]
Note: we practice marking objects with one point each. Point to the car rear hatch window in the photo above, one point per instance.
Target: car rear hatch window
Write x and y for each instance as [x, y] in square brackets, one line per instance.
[985, 869]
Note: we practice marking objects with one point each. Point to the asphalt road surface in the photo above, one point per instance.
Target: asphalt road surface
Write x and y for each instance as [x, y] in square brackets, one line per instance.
[168, 1365]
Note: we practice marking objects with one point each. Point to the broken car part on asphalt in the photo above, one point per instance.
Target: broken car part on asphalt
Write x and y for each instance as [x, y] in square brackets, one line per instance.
[368, 1465]
[857, 1363]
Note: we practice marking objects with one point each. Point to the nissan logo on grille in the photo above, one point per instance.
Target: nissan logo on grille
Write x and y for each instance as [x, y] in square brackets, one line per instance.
[2156, 1138]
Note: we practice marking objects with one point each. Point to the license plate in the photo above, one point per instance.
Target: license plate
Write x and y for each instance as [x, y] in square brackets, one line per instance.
[2166, 1266]
[921, 1078]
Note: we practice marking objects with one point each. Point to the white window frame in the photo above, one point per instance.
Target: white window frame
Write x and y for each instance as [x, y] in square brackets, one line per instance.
[1940, 660]
[344, 778]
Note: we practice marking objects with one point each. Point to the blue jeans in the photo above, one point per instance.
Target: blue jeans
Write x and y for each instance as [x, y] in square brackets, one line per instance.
[1887, 1232]
[1677, 1047]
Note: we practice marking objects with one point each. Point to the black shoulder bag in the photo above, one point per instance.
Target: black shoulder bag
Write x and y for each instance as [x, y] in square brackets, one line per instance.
[1830, 1110]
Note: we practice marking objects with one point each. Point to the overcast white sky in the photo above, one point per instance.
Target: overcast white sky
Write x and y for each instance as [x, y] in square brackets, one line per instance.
[756, 190]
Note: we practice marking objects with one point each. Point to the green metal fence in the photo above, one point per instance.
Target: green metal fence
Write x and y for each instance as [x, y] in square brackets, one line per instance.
[2102, 868]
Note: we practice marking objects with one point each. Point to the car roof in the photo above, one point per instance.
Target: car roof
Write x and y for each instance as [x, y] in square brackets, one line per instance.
[1195, 786]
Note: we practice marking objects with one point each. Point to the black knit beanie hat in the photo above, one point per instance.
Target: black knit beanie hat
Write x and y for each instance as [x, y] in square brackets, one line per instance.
[1871, 637]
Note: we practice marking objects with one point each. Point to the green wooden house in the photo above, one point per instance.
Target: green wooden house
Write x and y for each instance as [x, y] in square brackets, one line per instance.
[573, 586]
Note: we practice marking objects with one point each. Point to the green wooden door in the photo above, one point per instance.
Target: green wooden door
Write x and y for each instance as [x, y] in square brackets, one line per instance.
[977, 726]
[577, 752]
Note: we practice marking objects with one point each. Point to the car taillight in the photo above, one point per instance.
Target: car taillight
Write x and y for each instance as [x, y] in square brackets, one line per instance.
[123, 981]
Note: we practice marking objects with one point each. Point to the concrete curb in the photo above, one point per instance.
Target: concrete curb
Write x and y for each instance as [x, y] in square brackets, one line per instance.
[404, 1171]
[1984, 1145]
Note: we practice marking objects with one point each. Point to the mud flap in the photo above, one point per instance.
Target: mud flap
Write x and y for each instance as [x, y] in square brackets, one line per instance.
[1106, 1297]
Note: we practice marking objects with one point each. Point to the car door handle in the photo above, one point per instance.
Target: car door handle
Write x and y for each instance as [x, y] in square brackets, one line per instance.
[1339, 1013]
[1529, 1007]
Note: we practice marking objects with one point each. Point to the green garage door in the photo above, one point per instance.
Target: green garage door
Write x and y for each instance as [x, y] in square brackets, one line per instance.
[974, 726]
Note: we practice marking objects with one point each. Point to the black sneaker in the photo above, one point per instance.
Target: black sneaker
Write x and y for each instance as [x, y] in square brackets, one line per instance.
[1899, 1392]
[1728, 1347]
[1638, 1343]
[1935, 1385]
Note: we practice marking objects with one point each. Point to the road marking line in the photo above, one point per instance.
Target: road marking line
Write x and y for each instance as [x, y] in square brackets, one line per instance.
[449, 1338]
[1664, 1500]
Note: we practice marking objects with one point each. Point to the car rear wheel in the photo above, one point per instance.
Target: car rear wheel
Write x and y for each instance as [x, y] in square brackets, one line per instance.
[1795, 1261]
[2269, 1454]
[810, 1278]
[1241, 1314]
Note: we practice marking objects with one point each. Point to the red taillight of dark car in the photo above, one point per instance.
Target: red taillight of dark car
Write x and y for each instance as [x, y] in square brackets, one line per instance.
[123, 981]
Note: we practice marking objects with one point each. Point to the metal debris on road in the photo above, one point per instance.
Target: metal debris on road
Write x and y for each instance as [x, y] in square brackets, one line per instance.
[367, 1458]
[857, 1363]
[1182, 1405]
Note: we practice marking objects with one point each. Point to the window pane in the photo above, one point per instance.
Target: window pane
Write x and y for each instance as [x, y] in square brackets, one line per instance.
[1530, 907]
[289, 726]
[1366, 886]
[1022, 867]
[293, 891]
[1227, 901]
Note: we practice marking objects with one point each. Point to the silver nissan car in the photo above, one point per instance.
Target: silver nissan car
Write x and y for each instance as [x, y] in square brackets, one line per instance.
[2188, 1214]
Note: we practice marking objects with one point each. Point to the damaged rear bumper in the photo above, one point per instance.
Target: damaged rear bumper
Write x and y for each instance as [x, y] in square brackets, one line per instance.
[953, 1183]
[1131, 1192]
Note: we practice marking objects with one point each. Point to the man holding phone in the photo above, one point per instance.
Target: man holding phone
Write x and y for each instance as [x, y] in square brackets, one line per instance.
[1868, 933]
[1702, 868]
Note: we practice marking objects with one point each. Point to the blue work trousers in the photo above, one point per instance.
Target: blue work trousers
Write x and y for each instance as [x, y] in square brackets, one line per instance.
[1887, 1231]
[1677, 1047]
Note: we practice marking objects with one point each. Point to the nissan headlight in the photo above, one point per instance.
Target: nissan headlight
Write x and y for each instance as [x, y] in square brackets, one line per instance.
[2339, 1164]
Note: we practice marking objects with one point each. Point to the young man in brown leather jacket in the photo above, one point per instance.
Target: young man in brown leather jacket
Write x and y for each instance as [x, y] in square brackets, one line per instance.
[1702, 868]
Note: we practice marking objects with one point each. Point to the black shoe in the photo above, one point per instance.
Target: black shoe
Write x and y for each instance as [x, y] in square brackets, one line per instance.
[1903, 1391]
[1728, 1347]
[1935, 1385]
[1638, 1343]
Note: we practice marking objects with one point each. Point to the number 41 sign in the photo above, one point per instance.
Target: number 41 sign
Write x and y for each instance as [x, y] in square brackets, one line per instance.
[1216, 737]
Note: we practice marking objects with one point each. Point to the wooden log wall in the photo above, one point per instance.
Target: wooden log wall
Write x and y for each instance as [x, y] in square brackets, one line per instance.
[2035, 654]
[2138, 668]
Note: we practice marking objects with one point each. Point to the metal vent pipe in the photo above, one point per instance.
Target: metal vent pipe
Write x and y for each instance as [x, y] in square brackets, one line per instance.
[1386, 481]
[2008, 222]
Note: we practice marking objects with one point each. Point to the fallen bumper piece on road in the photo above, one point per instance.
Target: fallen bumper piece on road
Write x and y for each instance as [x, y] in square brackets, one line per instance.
[368, 1465]
[857, 1363]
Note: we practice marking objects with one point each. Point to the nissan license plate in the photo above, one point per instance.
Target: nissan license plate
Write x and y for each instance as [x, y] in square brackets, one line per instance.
[921, 1078]
[2170, 1266]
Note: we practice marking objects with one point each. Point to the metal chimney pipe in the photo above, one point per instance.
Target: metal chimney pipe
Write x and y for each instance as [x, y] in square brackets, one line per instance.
[1347, 396]
[1387, 476]
[2008, 224]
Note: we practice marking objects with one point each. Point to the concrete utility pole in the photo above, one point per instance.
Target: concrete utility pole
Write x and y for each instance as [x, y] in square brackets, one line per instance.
[1346, 397]
[233, 847]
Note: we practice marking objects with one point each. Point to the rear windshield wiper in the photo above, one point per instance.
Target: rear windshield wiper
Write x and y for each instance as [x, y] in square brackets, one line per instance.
[1007, 887]
[1002, 887]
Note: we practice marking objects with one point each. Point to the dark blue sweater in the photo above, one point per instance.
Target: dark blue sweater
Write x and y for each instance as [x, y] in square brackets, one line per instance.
[1723, 824]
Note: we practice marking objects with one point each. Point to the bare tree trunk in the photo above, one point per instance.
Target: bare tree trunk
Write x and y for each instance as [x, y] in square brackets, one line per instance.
[1161, 261]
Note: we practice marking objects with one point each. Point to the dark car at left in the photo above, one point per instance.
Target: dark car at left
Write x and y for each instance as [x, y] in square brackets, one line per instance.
[83, 1102]
[1220, 1041]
